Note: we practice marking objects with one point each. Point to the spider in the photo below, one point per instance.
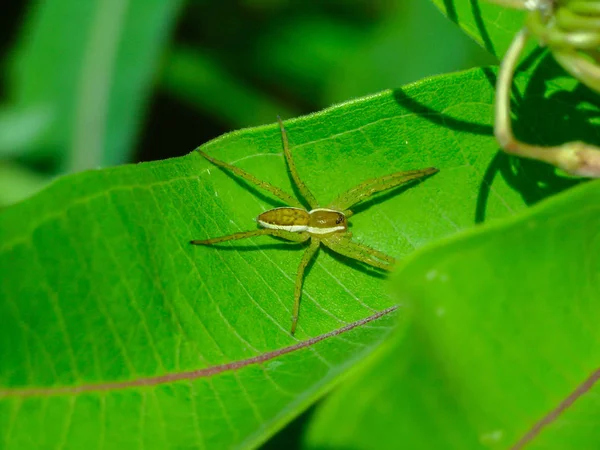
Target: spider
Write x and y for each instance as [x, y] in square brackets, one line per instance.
[321, 225]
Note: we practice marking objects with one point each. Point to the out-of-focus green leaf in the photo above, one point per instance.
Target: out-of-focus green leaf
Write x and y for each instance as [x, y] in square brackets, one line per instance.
[304, 51]
[332, 61]
[18, 182]
[504, 347]
[90, 64]
[20, 129]
[197, 79]
[492, 26]
[404, 47]
[102, 287]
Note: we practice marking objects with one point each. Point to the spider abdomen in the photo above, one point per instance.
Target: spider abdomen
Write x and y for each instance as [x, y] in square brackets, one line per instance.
[286, 218]
[318, 221]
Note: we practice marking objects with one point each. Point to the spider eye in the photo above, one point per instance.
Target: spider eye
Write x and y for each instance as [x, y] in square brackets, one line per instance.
[339, 220]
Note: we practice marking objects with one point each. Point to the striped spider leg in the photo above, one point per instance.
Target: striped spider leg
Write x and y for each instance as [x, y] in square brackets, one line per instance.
[319, 225]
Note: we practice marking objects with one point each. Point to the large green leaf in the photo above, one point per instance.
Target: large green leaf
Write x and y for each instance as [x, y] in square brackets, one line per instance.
[105, 304]
[504, 347]
[88, 66]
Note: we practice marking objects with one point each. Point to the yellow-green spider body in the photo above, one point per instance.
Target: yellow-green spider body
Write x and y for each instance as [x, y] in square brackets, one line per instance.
[320, 221]
[319, 225]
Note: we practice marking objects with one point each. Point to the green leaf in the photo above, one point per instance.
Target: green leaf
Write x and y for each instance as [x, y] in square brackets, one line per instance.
[492, 26]
[504, 344]
[102, 63]
[103, 296]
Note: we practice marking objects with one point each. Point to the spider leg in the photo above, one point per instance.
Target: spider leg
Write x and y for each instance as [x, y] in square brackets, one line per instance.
[306, 257]
[288, 235]
[577, 157]
[345, 246]
[287, 198]
[293, 171]
[369, 187]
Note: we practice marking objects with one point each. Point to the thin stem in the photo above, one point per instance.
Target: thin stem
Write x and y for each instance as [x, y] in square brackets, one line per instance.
[503, 126]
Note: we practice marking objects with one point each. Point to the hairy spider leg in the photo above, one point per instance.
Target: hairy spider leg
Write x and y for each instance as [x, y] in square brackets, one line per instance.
[371, 251]
[575, 157]
[287, 198]
[287, 235]
[359, 252]
[369, 187]
[310, 199]
[306, 257]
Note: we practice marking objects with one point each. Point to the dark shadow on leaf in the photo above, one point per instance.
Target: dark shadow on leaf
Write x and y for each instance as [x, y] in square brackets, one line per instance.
[499, 161]
[532, 179]
[485, 37]
[451, 11]
[533, 58]
[290, 437]
[439, 118]
[549, 120]
[332, 447]
[563, 116]
[453, 123]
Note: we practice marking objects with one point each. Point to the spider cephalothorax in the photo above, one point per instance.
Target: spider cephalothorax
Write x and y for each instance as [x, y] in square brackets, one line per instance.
[327, 226]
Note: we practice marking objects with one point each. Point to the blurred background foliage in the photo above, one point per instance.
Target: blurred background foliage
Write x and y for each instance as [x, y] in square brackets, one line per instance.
[95, 83]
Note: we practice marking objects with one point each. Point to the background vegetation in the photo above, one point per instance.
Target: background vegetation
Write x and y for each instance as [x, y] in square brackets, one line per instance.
[102, 83]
